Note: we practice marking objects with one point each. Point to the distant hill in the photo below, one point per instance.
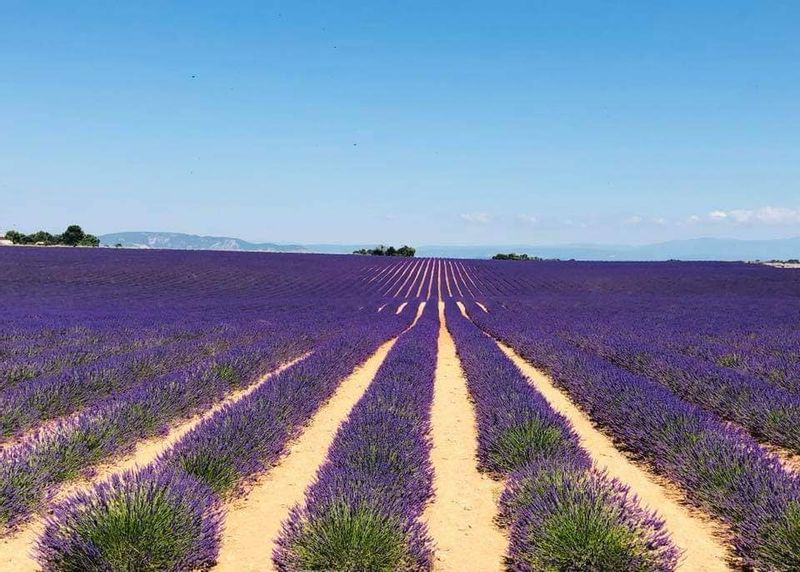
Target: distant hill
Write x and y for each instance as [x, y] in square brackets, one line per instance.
[692, 249]
[180, 241]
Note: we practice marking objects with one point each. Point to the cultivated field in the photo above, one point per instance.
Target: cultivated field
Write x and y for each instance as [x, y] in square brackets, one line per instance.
[241, 411]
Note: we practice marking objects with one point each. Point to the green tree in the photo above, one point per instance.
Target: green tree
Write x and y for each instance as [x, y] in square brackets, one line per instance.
[42, 236]
[73, 235]
[15, 236]
[89, 240]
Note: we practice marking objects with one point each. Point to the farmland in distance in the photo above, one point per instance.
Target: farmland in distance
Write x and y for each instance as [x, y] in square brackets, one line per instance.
[169, 410]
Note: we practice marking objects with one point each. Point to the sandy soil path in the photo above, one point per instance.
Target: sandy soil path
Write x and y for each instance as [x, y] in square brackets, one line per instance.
[382, 282]
[16, 550]
[695, 533]
[430, 283]
[397, 280]
[447, 278]
[439, 278]
[414, 279]
[469, 276]
[455, 278]
[424, 278]
[460, 518]
[253, 523]
[463, 279]
[401, 284]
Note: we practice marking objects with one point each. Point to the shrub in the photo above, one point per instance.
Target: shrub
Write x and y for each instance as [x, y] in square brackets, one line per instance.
[152, 520]
[346, 537]
[579, 520]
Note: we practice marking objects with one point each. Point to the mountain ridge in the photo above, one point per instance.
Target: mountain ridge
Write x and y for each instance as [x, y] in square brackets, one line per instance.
[686, 249]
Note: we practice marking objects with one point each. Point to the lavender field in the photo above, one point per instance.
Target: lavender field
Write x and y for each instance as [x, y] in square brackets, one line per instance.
[168, 410]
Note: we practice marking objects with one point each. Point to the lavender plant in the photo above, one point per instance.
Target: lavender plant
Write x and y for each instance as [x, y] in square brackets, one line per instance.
[563, 515]
[362, 511]
[151, 520]
[721, 469]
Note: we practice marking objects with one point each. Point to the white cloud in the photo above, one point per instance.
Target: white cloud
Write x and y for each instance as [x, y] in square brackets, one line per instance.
[479, 218]
[636, 219]
[764, 215]
[528, 219]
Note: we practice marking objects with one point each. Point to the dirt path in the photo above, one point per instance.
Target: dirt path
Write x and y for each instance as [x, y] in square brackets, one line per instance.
[460, 518]
[396, 280]
[424, 278]
[415, 279]
[696, 534]
[463, 280]
[420, 309]
[439, 278]
[407, 276]
[253, 523]
[467, 274]
[447, 279]
[430, 283]
[386, 278]
[15, 551]
[455, 279]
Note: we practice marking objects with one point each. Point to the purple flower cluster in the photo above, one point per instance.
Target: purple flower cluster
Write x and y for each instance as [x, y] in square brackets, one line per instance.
[29, 404]
[561, 512]
[25, 358]
[721, 469]
[30, 471]
[769, 413]
[153, 519]
[362, 511]
[249, 436]
[218, 456]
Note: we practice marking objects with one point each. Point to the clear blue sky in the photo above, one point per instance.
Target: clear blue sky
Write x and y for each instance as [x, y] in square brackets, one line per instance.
[423, 122]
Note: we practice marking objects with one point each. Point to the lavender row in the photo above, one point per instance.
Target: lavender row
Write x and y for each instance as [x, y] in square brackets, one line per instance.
[112, 339]
[769, 413]
[362, 511]
[30, 471]
[720, 469]
[781, 370]
[560, 511]
[249, 436]
[30, 404]
[212, 461]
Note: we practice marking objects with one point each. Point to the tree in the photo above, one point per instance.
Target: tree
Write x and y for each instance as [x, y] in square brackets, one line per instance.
[15, 236]
[382, 250]
[42, 236]
[73, 235]
[515, 256]
[89, 240]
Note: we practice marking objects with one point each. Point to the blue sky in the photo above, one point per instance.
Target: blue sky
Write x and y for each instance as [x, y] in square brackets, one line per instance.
[421, 122]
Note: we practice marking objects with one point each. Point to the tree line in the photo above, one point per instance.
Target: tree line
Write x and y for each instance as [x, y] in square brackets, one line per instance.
[73, 236]
[387, 251]
[515, 256]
